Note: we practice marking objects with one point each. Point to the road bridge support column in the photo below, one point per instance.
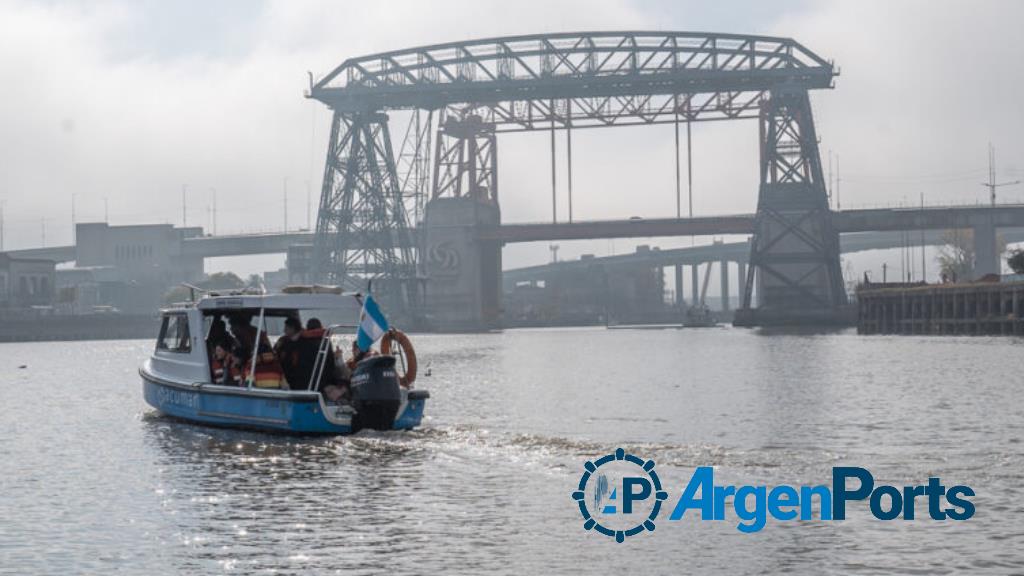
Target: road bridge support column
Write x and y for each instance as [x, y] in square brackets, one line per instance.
[741, 277]
[695, 284]
[463, 288]
[680, 301]
[986, 257]
[724, 288]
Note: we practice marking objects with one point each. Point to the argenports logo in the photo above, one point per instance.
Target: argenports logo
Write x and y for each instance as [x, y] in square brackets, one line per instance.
[620, 495]
[600, 485]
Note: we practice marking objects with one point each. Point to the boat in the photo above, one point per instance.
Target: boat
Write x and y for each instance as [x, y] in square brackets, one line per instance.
[178, 378]
[699, 315]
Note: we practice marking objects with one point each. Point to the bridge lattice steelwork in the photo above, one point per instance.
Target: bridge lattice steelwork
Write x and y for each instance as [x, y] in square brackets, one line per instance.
[470, 91]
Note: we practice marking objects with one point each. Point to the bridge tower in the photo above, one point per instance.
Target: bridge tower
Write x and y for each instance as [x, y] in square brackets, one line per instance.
[794, 256]
[362, 231]
[463, 290]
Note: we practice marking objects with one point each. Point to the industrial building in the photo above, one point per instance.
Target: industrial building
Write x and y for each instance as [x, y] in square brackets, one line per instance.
[128, 267]
[25, 282]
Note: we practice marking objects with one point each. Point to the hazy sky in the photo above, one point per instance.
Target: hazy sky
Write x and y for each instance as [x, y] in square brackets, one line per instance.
[129, 101]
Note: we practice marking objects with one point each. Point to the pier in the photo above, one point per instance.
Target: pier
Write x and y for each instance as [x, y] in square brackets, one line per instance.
[981, 308]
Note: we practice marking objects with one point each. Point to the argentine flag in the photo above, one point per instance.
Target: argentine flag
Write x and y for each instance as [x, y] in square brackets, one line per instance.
[372, 324]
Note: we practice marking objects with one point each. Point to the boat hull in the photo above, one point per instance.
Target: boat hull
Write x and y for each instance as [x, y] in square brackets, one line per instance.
[267, 410]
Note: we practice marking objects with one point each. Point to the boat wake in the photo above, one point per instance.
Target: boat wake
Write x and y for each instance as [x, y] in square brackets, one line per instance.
[470, 445]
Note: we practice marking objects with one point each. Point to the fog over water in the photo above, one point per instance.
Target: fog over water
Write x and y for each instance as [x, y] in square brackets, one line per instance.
[156, 112]
[128, 102]
[95, 482]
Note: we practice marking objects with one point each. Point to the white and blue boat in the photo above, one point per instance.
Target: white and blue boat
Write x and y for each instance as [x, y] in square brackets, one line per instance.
[179, 378]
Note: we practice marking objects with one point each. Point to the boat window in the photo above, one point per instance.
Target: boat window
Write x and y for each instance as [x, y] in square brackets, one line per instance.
[174, 334]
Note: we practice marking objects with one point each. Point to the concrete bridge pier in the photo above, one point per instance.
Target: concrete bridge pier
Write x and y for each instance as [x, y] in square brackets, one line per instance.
[695, 283]
[463, 290]
[724, 284]
[741, 278]
[680, 301]
[986, 256]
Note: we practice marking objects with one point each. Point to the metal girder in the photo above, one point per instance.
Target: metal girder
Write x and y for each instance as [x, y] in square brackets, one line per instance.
[794, 256]
[586, 79]
[362, 230]
[413, 163]
[466, 162]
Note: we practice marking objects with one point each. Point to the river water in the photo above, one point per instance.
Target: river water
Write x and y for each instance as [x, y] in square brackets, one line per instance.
[93, 481]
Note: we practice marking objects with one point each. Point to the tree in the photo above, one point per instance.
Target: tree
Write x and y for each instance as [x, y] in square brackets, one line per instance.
[1016, 261]
[215, 281]
[222, 281]
[956, 254]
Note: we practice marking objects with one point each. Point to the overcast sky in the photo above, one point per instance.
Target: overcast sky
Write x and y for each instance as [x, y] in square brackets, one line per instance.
[130, 101]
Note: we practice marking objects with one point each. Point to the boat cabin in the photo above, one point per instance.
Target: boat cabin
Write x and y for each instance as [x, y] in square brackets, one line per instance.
[188, 333]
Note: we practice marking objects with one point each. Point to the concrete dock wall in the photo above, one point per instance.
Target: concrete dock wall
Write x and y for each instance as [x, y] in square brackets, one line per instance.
[977, 309]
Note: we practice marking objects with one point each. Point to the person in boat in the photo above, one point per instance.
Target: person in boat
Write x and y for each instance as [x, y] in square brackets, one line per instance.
[218, 331]
[244, 334]
[358, 355]
[287, 351]
[310, 341]
[227, 370]
[333, 383]
[266, 371]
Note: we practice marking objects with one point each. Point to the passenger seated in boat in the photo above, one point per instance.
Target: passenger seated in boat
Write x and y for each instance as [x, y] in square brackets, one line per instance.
[309, 343]
[218, 331]
[307, 348]
[267, 371]
[338, 390]
[226, 368]
[287, 351]
[244, 334]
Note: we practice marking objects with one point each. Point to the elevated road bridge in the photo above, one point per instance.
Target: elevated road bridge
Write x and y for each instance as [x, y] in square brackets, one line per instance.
[983, 220]
[724, 254]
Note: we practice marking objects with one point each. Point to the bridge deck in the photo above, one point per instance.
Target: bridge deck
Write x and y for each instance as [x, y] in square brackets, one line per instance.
[845, 221]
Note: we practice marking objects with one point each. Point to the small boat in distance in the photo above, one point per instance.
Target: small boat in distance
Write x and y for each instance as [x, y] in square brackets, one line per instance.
[181, 378]
[699, 315]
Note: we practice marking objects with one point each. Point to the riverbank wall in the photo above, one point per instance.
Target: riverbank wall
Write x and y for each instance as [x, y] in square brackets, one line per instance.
[980, 308]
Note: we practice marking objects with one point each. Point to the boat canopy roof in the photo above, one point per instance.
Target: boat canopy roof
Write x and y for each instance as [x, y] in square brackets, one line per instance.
[342, 302]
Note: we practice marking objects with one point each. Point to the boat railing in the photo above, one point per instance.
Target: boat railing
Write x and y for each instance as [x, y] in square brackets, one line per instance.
[323, 353]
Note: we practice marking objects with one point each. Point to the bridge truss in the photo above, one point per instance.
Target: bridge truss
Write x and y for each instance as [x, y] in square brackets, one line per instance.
[468, 92]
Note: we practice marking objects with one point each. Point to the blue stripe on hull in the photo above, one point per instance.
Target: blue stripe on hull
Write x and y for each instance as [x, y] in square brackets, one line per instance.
[411, 416]
[301, 415]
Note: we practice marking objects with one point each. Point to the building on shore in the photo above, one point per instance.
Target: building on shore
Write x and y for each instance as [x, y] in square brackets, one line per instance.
[26, 282]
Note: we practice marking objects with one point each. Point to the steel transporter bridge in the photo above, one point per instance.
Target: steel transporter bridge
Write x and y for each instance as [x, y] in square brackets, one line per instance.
[415, 218]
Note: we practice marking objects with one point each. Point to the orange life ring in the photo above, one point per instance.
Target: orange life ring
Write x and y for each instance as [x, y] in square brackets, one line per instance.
[408, 353]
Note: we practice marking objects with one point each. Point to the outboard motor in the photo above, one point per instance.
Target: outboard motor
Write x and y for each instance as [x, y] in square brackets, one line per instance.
[375, 393]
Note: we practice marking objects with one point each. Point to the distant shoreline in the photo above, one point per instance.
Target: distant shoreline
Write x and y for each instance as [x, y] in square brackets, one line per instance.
[57, 328]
